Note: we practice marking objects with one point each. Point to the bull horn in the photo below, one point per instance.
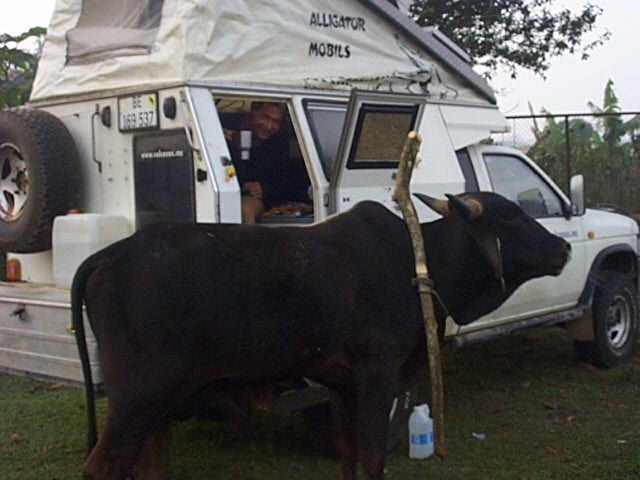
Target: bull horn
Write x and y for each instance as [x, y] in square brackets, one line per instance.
[435, 204]
[470, 209]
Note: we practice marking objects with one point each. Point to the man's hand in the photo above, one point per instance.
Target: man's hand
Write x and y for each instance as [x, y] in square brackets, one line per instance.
[253, 189]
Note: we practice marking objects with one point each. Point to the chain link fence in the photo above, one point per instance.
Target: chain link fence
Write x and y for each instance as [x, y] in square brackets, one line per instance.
[604, 147]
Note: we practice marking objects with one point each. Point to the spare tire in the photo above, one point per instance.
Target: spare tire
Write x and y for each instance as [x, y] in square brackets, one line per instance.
[39, 177]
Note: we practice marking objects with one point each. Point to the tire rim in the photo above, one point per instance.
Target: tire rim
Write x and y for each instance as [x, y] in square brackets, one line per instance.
[14, 183]
[618, 322]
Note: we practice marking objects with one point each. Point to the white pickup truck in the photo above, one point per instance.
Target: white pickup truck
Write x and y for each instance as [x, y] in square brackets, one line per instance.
[125, 127]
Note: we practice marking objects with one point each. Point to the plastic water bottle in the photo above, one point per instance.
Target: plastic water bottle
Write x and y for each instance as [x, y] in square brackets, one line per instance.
[420, 432]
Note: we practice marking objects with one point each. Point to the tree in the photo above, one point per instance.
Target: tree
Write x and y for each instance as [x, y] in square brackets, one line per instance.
[550, 147]
[632, 129]
[616, 152]
[18, 60]
[610, 123]
[512, 33]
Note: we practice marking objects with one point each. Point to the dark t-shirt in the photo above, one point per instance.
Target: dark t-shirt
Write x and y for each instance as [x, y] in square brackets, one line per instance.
[266, 165]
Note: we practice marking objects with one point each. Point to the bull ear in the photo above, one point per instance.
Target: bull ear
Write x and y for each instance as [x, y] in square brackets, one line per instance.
[435, 204]
[470, 209]
[489, 245]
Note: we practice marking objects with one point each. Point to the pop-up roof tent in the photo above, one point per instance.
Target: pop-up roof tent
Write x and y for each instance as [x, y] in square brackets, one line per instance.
[98, 46]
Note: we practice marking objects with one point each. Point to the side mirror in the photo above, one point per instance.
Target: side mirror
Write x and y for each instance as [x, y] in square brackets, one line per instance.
[577, 195]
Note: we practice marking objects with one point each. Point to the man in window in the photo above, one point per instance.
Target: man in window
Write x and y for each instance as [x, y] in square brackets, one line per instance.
[261, 174]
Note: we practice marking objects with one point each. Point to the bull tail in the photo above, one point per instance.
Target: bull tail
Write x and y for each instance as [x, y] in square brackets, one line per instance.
[77, 298]
[77, 321]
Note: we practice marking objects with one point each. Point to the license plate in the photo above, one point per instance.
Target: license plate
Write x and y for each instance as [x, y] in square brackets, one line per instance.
[138, 112]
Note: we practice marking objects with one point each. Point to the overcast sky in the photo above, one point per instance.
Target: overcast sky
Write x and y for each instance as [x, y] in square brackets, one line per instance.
[570, 84]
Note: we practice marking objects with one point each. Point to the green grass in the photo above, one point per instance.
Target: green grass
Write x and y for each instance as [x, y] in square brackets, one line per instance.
[543, 415]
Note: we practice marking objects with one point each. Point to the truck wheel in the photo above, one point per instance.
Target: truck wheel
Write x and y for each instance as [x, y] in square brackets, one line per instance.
[38, 177]
[615, 322]
[317, 421]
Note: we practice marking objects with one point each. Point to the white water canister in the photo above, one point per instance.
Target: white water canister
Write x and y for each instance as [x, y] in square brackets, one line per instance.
[420, 432]
[77, 236]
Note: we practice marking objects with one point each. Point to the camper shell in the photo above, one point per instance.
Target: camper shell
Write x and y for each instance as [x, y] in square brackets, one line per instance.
[144, 91]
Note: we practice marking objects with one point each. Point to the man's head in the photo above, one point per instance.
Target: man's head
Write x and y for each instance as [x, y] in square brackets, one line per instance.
[266, 119]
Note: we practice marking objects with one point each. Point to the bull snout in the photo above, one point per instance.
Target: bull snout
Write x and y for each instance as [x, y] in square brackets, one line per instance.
[560, 260]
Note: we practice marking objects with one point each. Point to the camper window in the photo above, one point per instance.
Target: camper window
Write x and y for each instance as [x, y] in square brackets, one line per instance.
[113, 28]
[380, 134]
[326, 120]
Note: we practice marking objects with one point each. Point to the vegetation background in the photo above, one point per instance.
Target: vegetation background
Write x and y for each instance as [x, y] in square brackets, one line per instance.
[603, 145]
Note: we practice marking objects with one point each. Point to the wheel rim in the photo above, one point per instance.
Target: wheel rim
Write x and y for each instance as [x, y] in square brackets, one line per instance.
[618, 322]
[14, 183]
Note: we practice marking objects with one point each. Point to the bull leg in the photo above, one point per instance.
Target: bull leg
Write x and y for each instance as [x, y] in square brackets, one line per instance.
[237, 405]
[153, 463]
[124, 435]
[375, 390]
[343, 415]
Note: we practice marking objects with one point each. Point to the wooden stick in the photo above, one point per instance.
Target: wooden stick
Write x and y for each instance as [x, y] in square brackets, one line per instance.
[402, 196]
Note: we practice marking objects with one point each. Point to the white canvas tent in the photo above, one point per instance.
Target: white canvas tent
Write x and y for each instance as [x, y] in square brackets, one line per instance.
[97, 46]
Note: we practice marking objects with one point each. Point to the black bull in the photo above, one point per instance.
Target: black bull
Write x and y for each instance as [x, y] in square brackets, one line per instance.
[185, 311]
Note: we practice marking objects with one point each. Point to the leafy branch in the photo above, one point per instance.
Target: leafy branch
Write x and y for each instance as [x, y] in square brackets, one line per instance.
[19, 56]
[513, 34]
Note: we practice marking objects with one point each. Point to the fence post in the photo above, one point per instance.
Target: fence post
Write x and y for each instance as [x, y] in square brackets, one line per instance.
[567, 153]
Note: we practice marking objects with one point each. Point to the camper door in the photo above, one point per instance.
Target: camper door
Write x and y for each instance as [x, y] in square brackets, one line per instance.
[374, 133]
